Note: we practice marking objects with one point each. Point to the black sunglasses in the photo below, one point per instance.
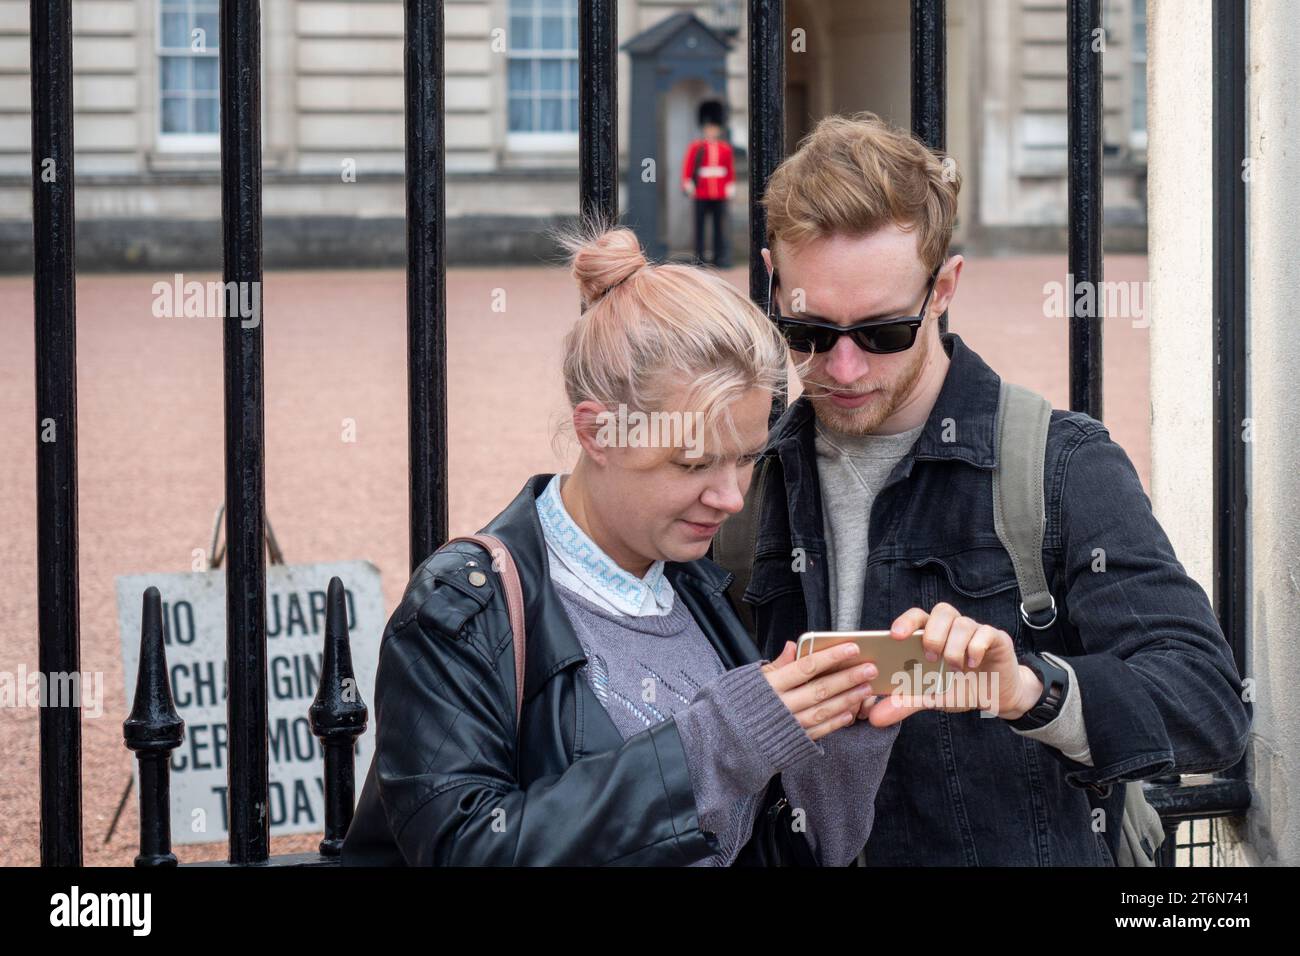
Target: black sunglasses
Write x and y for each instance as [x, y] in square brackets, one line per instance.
[879, 336]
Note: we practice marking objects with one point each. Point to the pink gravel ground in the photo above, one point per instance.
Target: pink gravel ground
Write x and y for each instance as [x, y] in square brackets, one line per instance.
[151, 450]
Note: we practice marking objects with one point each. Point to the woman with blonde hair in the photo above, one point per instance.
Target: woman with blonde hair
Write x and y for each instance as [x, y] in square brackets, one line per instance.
[649, 731]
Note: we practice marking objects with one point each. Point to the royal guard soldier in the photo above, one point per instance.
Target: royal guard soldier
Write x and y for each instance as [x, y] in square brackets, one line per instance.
[709, 176]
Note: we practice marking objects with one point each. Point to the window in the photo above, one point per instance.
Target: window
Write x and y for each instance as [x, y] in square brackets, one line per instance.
[189, 110]
[1138, 134]
[542, 81]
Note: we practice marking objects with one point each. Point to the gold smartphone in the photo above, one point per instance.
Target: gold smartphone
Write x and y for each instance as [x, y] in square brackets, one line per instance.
[900, 661]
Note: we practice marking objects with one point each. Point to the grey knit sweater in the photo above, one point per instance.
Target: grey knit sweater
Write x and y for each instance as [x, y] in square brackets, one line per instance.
[735, 730]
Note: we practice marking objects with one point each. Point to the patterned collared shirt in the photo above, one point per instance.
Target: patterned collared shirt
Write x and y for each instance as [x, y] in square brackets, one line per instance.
[577, 563]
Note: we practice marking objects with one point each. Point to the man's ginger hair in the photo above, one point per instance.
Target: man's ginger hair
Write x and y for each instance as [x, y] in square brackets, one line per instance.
[853, 175]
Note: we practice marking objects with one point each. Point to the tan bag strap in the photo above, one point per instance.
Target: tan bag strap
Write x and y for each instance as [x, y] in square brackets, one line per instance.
[504, 564]
[1018, 518]
[1018, 506]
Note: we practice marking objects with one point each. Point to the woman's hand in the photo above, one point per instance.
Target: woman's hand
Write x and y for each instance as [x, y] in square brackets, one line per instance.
[821, 692]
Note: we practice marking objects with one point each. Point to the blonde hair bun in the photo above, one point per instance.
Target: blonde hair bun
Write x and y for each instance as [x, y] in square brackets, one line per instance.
[603, 259]
[649, 329]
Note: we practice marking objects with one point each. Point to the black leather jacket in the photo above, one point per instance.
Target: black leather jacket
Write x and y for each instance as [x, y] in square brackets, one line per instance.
[448, 785]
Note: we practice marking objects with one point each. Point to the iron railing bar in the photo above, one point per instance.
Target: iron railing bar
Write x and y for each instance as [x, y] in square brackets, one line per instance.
[598, 109]
[1219, 797]
[1229, 199]
[766, 137]
[54, 287]
[929, 80]
[241, 217]
[1086, 199]
[426, 276]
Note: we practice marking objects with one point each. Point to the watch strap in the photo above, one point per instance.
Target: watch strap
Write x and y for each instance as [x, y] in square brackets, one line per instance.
[1056, 685]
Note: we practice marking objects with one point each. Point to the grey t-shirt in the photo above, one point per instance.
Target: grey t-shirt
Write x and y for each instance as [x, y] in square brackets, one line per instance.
[852, 469]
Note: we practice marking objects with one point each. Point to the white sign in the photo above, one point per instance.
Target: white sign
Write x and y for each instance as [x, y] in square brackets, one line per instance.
[194, 628]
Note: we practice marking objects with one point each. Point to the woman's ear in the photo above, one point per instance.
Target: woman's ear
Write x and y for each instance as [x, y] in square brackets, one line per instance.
[596, 428]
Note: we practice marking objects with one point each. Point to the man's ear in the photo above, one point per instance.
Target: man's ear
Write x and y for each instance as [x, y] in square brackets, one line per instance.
[945, 287]
[596, 428]
[767, 259]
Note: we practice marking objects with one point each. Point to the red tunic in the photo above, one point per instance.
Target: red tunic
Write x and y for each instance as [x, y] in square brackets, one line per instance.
[711, 165]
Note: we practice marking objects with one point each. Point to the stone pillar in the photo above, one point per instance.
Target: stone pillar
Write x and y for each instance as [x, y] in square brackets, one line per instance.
[1273, 464]
[1181, 311]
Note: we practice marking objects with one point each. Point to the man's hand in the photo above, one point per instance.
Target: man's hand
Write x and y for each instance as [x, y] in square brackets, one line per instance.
[688, 187]
[967, 648]
[731, 190]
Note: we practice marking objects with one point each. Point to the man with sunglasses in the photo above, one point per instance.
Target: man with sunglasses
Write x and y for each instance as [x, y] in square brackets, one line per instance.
[872, 509]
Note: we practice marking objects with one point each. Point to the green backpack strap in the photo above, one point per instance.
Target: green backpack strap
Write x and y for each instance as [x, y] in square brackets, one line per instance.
[735, 543]
[1144, 831]
[1019, 519]
[1018, 509]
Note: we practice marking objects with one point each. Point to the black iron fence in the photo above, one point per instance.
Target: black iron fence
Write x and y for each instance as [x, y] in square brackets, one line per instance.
[153, 729]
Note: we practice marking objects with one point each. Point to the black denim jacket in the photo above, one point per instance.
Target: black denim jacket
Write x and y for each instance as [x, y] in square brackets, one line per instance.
[1160, 690]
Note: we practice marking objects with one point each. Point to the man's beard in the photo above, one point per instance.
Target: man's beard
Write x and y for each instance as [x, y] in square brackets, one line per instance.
[865, 420]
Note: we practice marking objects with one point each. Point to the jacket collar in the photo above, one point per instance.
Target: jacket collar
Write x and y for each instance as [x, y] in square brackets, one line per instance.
[965, 412]
[572, 554]
[960, 427]
[520, 530]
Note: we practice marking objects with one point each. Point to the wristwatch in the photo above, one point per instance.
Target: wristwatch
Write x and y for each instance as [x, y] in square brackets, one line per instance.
[1056, 684]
